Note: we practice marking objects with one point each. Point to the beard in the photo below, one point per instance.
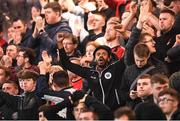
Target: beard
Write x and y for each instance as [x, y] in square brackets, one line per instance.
[102, 63]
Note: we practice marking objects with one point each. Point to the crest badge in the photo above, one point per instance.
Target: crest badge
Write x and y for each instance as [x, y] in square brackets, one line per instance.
[108, 75]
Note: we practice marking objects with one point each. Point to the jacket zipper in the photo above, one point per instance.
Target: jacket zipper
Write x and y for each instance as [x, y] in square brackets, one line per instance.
[117, 97]
[100, 81]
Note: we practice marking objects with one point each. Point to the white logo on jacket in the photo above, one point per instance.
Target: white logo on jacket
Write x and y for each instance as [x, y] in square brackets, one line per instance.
[107, 75]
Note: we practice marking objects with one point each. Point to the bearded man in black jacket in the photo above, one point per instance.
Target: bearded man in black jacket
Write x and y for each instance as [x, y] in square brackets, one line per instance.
[104, 79]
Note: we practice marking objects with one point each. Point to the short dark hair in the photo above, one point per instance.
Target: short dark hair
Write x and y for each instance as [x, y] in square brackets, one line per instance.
[175, 81]
[159, 78]
[145, 76]
[124, 111]
[71, 36]
[100, 13]
[170, 92]
[28, 53]
[54, 6]
[27, 74]
[61, 78]
[15, 19]
[172, 13]
[141, 50]
[104, 47]
[13, 83]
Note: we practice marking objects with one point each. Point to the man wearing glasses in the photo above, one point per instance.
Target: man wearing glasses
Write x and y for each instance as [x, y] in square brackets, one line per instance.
[169, 103]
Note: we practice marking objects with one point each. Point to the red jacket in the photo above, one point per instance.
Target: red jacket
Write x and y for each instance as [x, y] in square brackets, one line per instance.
[119, 51]
[2, 42]
[116, 4]
[78, 84]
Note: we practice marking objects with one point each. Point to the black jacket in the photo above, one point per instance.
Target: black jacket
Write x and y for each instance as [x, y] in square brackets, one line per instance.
[130, 74]
[176, 115]
[7, 113]
[165, 42]
[153, 59]
[174, 56]
[47, 39]
[105, 85]
[26, 104]
[44, 91]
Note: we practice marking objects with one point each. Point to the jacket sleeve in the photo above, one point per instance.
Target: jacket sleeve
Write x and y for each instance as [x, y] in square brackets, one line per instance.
[75, 68]
[53, 110]
[42, 85]
[44, 41]
[124, 87]
[10, 100]
[103, 111]
[133, 40]
[174, 53]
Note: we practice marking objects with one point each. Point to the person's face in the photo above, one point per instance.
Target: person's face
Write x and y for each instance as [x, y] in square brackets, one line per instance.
[51, 16]
[28, 85]
[85, 116]
[89, 50]
[20, 59]
[167, 104]
[19, 26]
[100, 3]
[157, 88]
[9, 88]
[42, 117]
[11, 51]
[122, 118]
[102, 57]
[21, 84]
[144, 87]
[140, 62]
[10, 33]
[78, 109]
[143, 2]
[150, 43]
[35, 12]
[69, 46]
[166, 21]
[110, 33]
[2, 76]
[98, 22]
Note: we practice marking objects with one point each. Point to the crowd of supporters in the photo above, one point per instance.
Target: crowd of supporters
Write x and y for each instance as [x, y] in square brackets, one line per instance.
[90, 60]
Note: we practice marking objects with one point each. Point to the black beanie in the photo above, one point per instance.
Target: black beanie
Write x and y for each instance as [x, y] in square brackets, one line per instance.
[104, 47]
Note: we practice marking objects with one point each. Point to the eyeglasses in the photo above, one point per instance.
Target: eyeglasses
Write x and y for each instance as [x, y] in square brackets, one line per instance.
[151, 40]
[165, 100]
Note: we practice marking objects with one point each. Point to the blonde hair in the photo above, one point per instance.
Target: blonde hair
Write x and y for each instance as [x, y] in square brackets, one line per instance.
[55, 68]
